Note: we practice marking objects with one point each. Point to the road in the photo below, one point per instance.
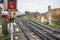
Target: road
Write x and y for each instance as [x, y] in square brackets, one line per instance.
[32, 31]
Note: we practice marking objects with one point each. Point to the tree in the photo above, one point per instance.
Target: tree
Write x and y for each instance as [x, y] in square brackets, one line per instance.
[57, 19]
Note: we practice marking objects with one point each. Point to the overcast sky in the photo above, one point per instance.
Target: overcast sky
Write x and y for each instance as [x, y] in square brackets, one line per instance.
[37, 5]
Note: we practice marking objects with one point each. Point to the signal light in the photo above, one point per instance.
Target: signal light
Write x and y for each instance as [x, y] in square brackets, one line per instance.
[12, 4]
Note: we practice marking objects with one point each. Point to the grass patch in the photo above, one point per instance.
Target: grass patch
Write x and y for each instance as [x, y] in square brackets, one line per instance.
[54, 25]
[15, 26]
[34, 19]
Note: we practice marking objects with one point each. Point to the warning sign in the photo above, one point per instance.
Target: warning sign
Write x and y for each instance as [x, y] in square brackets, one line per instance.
[14, 14]
[9, 15]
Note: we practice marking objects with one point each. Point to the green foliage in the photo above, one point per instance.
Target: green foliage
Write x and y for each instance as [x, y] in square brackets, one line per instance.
[0, 33]
[57, 22]
[0, 37]
[6, 38]
[5, 32]
[15, 26]
[38, 21]
[52, 25]
[58, 26]
[41, 22]
[5, 29]
[33, 19]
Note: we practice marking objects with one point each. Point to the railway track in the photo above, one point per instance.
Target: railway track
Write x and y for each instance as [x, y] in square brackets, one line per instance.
[22, 30]
[52, 32]
[30, 34]
[39, 33]
[46, 29]
[18, 35]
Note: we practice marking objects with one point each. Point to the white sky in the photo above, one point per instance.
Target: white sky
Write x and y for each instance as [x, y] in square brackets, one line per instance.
[37, 5]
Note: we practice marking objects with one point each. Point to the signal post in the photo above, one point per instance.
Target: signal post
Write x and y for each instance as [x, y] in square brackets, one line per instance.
[11, 7]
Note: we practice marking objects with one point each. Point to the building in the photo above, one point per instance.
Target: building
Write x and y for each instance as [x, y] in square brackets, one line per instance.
[32, 14]
[27, 12]
[51, 14]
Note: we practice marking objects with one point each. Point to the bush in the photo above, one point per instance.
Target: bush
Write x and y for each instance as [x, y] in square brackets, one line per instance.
[52, 25]
[5, 29]
[33, 19]
[0, 37]
[7, 38]
[57, 22]
[41, 22]
[58, 26]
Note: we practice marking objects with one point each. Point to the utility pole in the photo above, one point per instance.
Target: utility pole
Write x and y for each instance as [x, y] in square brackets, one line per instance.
[49, 14]
[49, 18]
